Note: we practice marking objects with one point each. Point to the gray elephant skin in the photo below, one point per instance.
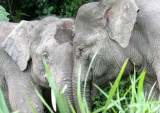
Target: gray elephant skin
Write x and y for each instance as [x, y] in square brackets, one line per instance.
[119, 29]
[21, 55]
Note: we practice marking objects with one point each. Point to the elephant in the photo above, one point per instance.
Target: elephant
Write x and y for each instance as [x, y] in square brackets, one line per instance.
[118, 30]
[22, 50]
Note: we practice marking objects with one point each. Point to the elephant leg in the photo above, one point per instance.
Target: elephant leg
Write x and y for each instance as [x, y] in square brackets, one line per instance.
[156, 67]
[18, 86]
[4, 89]
[148, 84]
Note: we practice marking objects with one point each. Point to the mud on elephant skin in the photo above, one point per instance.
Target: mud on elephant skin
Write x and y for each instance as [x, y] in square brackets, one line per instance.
[119, 29]
[21, 60]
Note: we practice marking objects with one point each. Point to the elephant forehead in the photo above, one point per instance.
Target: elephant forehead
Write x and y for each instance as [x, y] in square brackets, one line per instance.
[48, 35]
[48, 31]
[59, 31]
[49, 42]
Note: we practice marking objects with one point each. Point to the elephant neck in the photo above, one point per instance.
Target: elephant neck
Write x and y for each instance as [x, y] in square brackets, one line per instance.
[119, 55]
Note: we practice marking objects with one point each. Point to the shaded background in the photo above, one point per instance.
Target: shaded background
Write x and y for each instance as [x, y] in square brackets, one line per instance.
[36, 9]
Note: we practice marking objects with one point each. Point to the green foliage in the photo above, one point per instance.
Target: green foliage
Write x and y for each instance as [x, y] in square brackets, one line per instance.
[45, 7]
[37, 9]
[114, 87]
[34, 9]
[3, 106]
[18, 17]
[100, 100]
[3, 14]
[131, 89]
[70, 7]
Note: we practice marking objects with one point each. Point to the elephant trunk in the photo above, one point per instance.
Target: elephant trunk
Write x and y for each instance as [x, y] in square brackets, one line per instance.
[61, 80]
[84, 68]
[62, 67]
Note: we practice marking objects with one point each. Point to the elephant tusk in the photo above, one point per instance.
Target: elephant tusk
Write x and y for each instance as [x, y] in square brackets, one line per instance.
[53, 100]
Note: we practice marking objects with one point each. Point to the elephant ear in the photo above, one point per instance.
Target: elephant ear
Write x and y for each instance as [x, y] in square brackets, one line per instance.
[120, 17]
[17, 44]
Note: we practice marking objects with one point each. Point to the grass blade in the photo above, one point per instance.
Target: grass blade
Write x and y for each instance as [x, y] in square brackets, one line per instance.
[113, 110]
[89, 69]
[63, 98]
[34, 111]
[115, 85]
[140, 86]
[151, 90]
[65, 103]
[100, 90]
[3, 106]
[60, 103]
[133, 87]
[113, 102]
[79, 92]
[72, 109]
[85, 105]
[44, 102]
[85, 83]
[118, 95]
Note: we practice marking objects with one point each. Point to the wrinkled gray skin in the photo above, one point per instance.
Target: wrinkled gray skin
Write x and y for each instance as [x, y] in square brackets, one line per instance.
[119, 29]
[21, 59]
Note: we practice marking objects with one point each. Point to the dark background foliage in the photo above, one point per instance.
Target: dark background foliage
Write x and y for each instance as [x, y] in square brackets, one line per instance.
[36, 9]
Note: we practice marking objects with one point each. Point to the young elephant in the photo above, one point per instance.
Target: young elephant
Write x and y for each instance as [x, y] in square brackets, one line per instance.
[119, 29]
[21, 60]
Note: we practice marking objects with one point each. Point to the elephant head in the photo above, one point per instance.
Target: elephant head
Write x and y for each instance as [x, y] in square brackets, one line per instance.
[105, 26]
[50, 38]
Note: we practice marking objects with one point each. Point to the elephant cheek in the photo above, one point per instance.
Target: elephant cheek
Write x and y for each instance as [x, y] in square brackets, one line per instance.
[40, 80]
[44, 80]
[39, 76]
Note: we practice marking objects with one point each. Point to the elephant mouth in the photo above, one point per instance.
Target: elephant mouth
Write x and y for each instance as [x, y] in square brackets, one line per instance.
[43, 82]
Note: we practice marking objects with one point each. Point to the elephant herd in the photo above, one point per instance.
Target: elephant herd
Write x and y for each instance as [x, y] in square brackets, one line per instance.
[118, 29]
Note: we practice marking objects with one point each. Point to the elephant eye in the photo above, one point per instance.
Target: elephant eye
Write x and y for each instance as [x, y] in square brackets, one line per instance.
[80, 51]
[45, 56]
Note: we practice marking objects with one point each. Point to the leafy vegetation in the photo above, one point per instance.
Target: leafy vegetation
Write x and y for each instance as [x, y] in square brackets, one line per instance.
[100, 99]
[3, 14]
[36, 9]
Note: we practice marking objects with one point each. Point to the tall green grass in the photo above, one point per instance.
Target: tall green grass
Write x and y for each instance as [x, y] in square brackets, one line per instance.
[137, 102]
[3, 105]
